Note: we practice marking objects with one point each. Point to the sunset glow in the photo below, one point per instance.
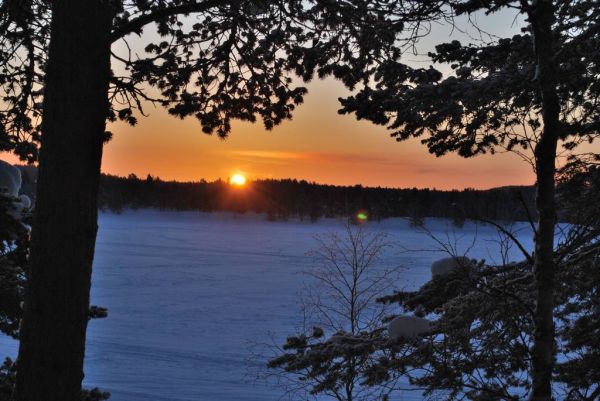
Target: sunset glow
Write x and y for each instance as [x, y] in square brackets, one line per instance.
[238, 180]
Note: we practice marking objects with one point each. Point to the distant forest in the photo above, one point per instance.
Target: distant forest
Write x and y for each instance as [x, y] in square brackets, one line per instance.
[287, 198]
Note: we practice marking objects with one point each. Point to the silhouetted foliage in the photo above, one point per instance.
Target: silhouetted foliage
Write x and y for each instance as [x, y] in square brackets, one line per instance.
[234, 60]
[492, 99]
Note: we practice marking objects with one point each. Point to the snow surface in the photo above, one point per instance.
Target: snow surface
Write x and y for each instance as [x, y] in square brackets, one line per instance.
[186, 292]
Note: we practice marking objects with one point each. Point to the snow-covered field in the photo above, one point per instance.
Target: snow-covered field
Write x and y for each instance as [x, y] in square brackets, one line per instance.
[187, 292]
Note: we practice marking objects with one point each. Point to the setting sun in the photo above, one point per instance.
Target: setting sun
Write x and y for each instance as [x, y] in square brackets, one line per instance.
[238, 179]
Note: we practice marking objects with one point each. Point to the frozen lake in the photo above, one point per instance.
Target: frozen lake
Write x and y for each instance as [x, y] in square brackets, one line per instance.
[187, 292]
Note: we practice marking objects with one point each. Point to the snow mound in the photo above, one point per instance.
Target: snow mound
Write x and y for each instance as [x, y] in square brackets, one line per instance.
[408, 327]
[445, 266]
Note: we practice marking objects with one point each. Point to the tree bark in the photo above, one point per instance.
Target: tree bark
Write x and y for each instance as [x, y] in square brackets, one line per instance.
[52, 343]
[543, 355]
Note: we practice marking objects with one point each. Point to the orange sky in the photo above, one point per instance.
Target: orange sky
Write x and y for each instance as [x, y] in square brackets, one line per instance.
[317, 145]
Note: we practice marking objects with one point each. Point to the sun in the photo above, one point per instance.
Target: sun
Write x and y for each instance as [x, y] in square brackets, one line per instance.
[238, 180]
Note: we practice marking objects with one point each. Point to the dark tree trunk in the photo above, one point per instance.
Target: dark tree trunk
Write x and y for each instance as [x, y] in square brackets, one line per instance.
[50, 363]
[543, 358]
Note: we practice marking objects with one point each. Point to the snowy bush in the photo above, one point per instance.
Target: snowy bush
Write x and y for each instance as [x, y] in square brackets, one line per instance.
[10, 179]
[14, 244]
[10, 184]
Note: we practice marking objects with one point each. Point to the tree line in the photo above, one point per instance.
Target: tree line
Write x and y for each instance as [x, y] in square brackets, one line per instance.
[290, 198]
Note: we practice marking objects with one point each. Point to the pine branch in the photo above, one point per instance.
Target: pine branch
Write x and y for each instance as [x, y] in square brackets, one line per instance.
[136, 24]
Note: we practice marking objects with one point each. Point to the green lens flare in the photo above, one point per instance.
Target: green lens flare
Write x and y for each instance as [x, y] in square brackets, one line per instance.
[362, 216]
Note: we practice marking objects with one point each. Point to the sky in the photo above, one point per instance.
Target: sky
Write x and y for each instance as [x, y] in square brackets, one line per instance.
[317, 145]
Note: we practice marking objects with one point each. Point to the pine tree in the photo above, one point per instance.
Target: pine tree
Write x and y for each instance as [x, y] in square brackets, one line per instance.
[530, 92]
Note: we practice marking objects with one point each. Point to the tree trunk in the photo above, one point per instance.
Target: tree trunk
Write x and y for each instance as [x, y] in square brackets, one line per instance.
[50, 362]
[543, 357]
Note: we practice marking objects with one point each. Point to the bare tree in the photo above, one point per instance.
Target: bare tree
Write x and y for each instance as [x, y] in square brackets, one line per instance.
[340, 319]
[347, 279]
